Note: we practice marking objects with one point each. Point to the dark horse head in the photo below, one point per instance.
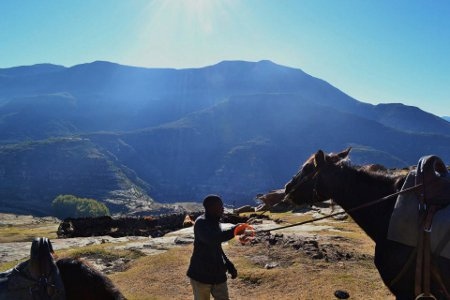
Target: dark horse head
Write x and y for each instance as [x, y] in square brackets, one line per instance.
[307, 185]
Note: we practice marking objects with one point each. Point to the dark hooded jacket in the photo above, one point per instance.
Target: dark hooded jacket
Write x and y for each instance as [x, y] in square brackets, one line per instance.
[207, 263]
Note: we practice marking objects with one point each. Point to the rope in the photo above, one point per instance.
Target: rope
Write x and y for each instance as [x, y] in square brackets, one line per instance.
[348, 211]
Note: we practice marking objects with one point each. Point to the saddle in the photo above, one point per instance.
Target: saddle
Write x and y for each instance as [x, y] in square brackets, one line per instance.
[37, 278]
[421, 219]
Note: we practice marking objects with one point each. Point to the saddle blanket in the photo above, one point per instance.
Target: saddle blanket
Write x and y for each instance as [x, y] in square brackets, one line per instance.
[404, 223]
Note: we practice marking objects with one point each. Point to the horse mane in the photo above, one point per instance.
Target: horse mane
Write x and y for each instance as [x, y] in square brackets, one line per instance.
[369, 176]
[82, 281]
[354, 181]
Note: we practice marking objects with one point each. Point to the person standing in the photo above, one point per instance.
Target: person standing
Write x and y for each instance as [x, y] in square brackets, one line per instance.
[208, 265]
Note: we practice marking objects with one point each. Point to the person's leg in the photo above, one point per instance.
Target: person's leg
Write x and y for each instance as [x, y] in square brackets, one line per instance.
[220, 291]
[202, 291]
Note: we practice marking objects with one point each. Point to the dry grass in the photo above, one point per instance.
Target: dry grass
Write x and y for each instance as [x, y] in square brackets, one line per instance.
[157, 277]
[286, 217]
[296, 277]
[290, 218]
[106, 251]
[300, 277]
[10, 264]
[26, 233]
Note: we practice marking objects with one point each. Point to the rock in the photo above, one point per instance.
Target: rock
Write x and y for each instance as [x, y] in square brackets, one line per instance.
[183, 240]
[244, 209]
[340, 294]
[272, 198]
[270, 265]
[318, 255]
[341, 217]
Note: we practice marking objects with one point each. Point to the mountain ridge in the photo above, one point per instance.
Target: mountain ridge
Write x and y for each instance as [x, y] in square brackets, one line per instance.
[236, 128]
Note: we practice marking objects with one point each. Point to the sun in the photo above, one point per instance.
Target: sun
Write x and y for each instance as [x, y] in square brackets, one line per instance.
[173, 32]
[199, 14]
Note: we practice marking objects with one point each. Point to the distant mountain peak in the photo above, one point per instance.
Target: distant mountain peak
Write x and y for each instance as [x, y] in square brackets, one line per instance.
[96, 64]
[247, 62]
[35, 69]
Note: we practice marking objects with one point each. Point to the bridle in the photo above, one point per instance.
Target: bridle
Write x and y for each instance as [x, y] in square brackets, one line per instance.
[317, 196]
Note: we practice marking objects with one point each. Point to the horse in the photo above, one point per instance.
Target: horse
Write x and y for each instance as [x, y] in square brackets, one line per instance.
[44, 278]
[81, 281]
[330, 176]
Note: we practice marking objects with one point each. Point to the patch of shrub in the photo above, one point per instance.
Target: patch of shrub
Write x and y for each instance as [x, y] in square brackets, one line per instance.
[65, 206]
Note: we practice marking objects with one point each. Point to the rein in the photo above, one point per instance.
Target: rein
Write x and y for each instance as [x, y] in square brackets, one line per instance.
[348, 211]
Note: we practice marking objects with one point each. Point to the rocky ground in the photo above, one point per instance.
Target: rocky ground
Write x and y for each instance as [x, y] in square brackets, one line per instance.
[326, 256]
[12, 220]
[15, 251]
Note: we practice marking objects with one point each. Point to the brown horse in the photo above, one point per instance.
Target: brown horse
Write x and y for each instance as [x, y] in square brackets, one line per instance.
[325, 177]
[81, 281]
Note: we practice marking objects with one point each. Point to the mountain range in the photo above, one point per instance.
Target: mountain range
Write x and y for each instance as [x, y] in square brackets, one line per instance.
[133, 137]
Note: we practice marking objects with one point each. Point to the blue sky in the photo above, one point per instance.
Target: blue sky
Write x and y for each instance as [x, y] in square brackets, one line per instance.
[376, 51]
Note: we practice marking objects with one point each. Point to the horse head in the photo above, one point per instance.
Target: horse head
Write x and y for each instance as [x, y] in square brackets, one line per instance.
[41, 258]
[43, 270]
[307, 186]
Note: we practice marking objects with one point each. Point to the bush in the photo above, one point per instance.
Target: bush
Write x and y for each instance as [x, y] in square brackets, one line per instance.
[65, 206]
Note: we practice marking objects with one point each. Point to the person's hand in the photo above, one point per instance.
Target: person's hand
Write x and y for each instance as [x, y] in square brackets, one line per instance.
[232, 270]
[234, 274]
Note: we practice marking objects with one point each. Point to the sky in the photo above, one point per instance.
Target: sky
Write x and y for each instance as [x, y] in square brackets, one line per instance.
[378, 51]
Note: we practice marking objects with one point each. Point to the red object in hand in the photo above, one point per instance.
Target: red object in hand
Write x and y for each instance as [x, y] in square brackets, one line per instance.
[244, 233]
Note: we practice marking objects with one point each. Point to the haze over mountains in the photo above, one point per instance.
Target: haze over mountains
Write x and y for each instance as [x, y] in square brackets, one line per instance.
[130, 136]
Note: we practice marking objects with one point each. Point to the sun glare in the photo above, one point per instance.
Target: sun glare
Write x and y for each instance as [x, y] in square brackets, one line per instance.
[201, 12]
[165, 27]
[196, 14]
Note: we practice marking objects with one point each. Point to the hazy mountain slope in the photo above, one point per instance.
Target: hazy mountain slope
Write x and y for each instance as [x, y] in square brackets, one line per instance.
[30, 70]
[235, 128]
[410, 118]
[38, 117]
[250, 144]
[32, 174]
[114, 97]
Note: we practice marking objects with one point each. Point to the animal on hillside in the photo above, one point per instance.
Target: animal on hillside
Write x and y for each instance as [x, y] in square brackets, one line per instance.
[329, 176]
[43, 278]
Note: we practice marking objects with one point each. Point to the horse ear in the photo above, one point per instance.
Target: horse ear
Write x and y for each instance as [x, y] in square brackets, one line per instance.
[319, 158]
[344, 153]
